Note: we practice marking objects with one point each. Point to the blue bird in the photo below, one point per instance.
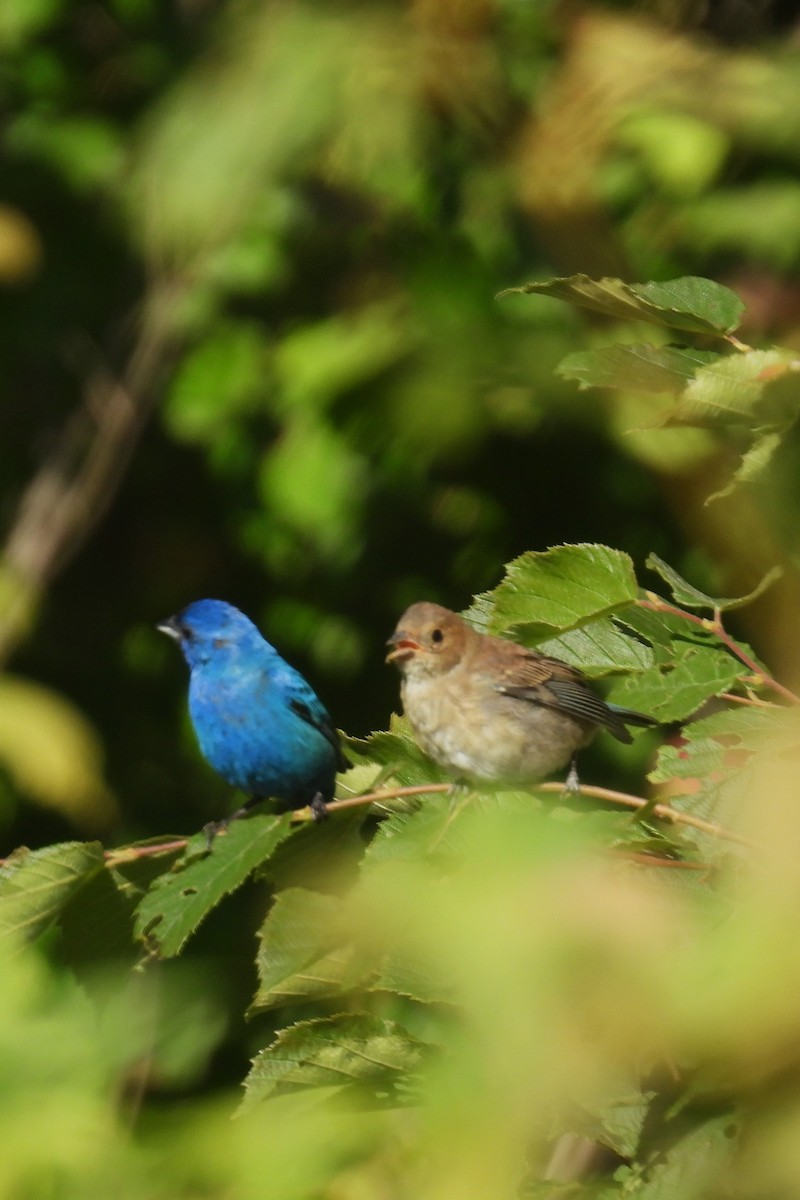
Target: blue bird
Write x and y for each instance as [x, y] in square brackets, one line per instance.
[258, 723]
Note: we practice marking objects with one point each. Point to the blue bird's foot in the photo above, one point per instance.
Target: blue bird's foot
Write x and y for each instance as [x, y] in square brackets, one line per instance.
[572, 784]
[212, 828]
[319, 809]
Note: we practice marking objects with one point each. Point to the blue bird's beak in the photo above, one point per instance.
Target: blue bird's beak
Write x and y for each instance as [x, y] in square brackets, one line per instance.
[172, 628]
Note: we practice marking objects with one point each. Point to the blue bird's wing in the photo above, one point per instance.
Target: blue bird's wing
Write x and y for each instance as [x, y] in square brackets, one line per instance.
[306, 704]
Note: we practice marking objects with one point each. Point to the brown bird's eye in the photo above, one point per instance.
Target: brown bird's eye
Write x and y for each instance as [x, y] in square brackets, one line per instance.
[437, 637]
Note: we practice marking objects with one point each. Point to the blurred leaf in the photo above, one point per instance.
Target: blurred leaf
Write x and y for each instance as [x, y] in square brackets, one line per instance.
[317, 482]
[216, 381]
[345, 1050]
[53, 753]
[637, 368]
[21, 248]
[754, 462]
[406, 976]
[180, 899]
[22, 19]
[691, 597]
[693, 1164]
[317, 362]
[691, 303]
[556, 589]
[35, 885]
[298, 957]
[86, 150]
[731, 390]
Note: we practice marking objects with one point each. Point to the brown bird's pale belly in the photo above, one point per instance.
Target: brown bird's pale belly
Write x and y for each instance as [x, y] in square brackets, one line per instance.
[497, 739]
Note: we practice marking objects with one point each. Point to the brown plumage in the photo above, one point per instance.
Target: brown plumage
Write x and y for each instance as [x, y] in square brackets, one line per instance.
[487, 709]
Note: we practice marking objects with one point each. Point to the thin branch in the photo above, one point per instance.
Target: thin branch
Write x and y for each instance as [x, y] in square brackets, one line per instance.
[662, 811]
[714, 625]
[72, 490]
[303, 815]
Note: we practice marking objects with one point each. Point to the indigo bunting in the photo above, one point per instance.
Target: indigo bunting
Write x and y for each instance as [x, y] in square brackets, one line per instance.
[258, 723]
[490, 711]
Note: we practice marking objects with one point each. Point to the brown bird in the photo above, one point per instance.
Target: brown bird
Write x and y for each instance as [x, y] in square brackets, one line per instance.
[490, 711]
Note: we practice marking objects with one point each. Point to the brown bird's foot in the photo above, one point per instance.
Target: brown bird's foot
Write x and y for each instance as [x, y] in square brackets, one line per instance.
[572, 784]
[319, 809]
[457, 791]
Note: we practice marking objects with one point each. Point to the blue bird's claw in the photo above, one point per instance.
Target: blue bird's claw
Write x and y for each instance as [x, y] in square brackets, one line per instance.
[212, 828]
[319, 809]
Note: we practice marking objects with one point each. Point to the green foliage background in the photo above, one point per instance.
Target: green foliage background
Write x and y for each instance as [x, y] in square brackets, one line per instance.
[251, 346]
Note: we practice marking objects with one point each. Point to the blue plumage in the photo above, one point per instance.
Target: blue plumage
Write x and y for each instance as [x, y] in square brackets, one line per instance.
[258, 722]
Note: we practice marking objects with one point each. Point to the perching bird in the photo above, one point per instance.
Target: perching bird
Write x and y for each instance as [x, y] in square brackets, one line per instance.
[490, 711]
[258, 722]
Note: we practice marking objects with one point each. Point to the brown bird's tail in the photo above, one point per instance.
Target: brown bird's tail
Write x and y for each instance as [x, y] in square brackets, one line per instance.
[620, 717]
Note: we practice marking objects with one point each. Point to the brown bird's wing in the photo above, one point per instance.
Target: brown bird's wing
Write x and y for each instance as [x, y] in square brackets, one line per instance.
[554, 684]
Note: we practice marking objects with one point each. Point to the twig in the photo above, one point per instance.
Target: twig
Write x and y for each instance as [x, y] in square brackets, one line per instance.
[663, 811]
[714, 625]
[72, 490]
[303, 815]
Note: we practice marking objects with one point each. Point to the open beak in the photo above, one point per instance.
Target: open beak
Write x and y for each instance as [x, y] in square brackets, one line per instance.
[403, 647]
[171, 627]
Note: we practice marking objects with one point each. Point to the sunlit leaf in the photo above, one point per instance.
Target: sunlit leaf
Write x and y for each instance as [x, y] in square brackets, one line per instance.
[346, 1050]
[597, 648]
[556, 589]
[675, 690]
[730, 390]
[35, 885]
[53, 753]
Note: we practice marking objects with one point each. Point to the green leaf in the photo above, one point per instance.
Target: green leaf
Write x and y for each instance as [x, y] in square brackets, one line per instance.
[319, 855]
[691, 597]
[690, 303]
[97, 925]
[397, 752]
[597, 648]
[556, 589]
[178, 901]
[345, 1050]
[673, 691]
[643, 368]
[35, 885]
[304, 953]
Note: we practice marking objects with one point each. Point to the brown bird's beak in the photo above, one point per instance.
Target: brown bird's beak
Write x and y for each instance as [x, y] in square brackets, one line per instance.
[403, 647]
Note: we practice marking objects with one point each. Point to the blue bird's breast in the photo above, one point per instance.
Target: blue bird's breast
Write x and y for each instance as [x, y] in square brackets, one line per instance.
[251, 735]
